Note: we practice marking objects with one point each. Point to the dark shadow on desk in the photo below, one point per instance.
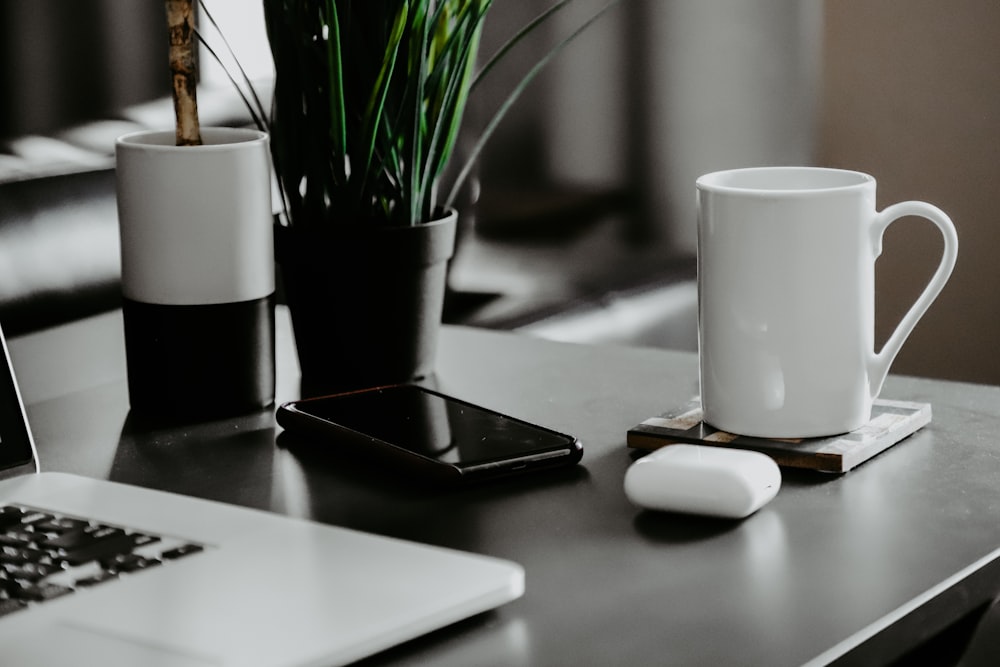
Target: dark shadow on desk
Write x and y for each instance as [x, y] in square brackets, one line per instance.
[496, 634]
[229, 460]
[802, 477]
[393, 481]
[677, 528]
[343, 490]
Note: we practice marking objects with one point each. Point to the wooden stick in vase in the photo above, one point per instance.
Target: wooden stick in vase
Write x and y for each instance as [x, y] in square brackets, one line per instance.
[180, 22]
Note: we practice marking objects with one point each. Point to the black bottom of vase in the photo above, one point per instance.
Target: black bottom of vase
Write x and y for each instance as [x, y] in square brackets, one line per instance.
[195, 363]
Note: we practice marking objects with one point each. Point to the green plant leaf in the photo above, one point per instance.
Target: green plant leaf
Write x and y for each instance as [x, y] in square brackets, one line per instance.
[515, 94]
[369, 102]
[452, 79]
[372, 122]
[526, 30]
[335, 67]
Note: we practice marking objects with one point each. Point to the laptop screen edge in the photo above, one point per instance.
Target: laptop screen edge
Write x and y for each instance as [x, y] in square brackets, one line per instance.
[18, 455]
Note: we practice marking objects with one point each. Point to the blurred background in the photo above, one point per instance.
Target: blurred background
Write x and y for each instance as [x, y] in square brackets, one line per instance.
[579, 224]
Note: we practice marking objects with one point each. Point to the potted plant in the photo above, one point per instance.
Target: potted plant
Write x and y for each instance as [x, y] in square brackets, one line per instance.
[369, 99]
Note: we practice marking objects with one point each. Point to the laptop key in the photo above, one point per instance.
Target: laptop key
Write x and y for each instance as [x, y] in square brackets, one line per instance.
[129, 563]
[98, 578]
[32, 572]
[91, 543]
[181, 551]
[7, 585]
[60, 525]
[10, 605]
[75, 539]
[21, 555]
[142, 539]
[42, 592]
[11, 516]
[17, 538]
[105, 548]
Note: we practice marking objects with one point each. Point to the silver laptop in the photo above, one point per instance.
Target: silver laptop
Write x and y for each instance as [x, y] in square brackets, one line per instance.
[100, 573]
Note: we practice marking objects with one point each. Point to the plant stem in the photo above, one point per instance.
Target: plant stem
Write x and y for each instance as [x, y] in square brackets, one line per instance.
[180, 22]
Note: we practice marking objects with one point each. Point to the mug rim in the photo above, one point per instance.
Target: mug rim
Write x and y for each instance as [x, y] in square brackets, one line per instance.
[740, 181]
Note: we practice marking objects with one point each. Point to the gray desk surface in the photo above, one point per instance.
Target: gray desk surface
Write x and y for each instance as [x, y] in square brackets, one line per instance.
[854, 568]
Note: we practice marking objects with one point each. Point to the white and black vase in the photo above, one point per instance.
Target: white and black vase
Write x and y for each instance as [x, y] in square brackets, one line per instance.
[197, 253]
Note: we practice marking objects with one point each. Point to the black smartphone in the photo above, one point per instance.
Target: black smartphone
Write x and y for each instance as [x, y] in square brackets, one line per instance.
[429, 434]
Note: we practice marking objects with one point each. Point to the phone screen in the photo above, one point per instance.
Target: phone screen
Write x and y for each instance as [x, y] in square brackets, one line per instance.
[439, 427]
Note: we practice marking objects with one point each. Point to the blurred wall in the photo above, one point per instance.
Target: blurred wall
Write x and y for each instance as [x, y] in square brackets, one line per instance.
[911, 94]
[655, 94]
[69, 61]
[728, 83]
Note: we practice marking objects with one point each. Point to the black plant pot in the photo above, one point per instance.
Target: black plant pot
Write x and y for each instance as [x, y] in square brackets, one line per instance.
[365, 302]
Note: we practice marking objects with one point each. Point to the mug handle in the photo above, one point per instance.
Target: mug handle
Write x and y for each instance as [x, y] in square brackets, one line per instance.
[879, 363]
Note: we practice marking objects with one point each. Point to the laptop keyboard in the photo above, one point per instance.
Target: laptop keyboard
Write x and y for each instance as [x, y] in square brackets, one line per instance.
[44, 556]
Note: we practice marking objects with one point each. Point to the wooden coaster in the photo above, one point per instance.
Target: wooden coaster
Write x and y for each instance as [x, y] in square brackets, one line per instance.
[891, 422]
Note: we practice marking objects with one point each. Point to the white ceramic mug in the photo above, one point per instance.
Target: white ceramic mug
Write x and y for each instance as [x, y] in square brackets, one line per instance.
[786, 298]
